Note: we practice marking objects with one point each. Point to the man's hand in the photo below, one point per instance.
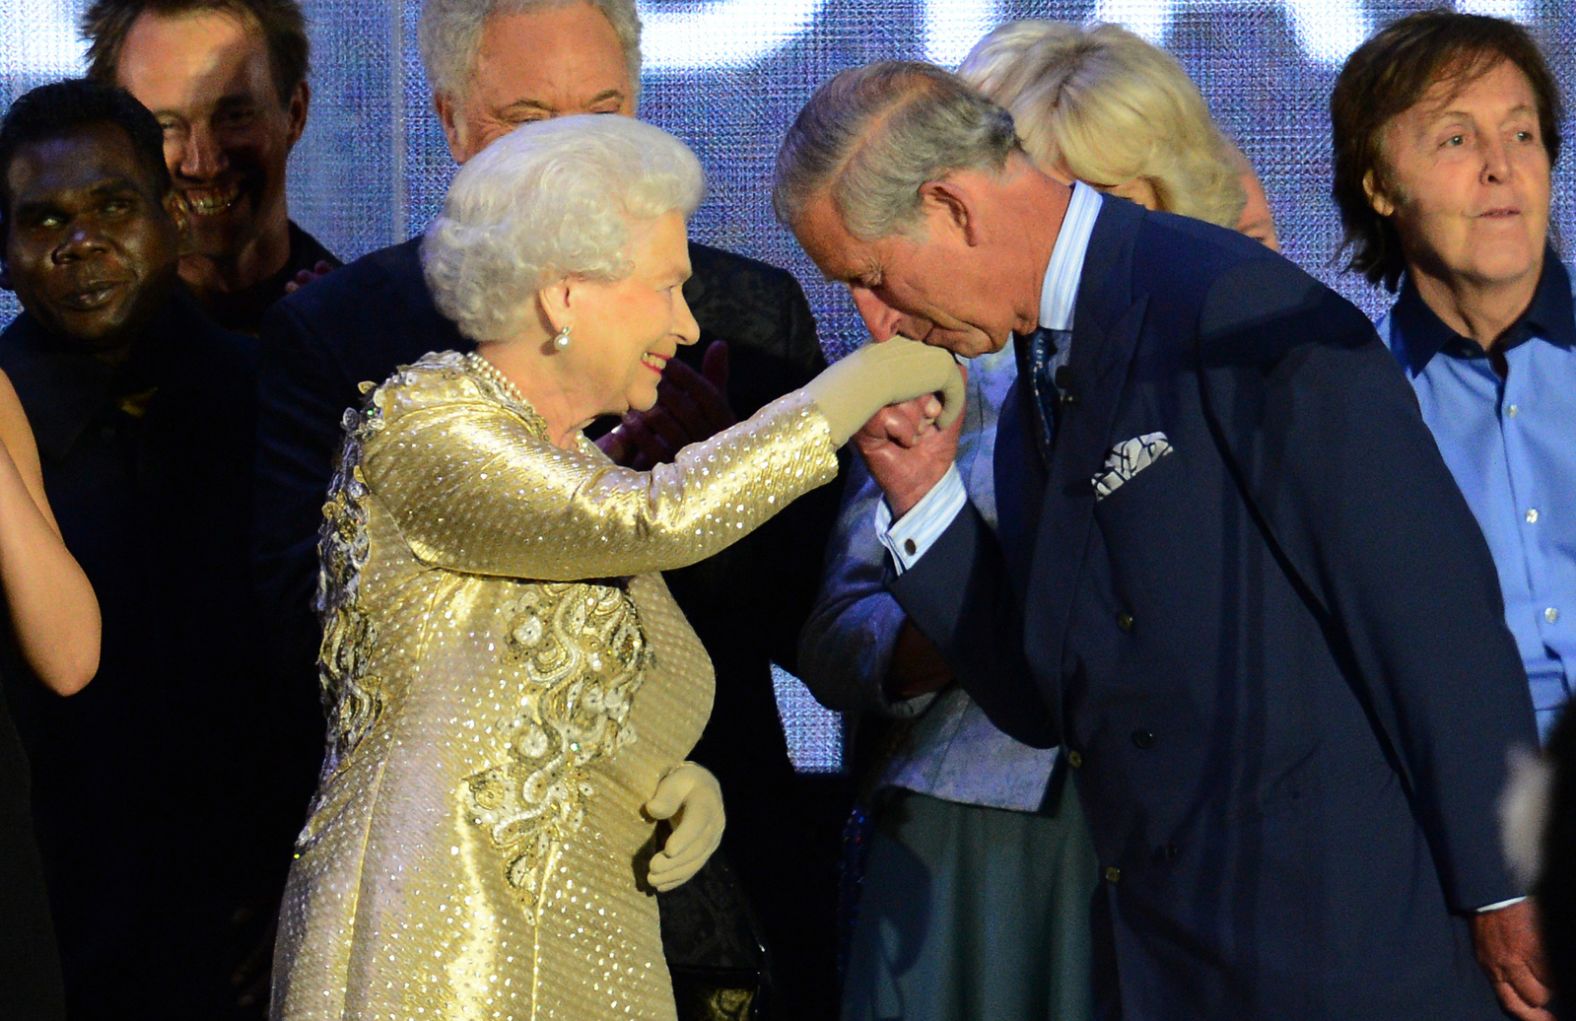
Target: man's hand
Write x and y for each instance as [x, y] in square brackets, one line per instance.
[303, 277]
[917, 667]
[690, 797]
[905, 452]
[691, 406]
[1510, 951]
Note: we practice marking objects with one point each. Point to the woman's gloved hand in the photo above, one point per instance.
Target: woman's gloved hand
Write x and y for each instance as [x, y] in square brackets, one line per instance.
[689, 796]
[877, 374]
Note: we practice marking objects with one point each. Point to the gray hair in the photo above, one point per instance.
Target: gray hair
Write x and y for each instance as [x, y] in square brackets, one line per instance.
[872, 136]
[450, 33]
[1108, 106]
[545, 202]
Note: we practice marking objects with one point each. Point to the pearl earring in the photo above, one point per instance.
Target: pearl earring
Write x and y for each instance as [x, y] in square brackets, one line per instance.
[561, 339]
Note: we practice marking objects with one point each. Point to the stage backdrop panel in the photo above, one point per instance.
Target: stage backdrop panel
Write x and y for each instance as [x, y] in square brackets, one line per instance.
[727, 76]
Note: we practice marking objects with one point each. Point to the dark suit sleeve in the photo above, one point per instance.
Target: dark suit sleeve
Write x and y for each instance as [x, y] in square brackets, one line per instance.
[1333, 453]
[845, 648]
[959, 596]
[758, 592]
[300, 406]
[300, 403]
[796, 542]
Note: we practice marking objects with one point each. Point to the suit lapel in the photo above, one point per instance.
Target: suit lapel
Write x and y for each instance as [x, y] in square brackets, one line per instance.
[1107, 324]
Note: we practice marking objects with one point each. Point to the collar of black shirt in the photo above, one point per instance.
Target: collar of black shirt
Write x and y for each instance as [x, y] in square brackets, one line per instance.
[65, 390]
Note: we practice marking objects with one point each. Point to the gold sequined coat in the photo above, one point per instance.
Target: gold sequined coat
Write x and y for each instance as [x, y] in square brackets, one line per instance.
[507, 679]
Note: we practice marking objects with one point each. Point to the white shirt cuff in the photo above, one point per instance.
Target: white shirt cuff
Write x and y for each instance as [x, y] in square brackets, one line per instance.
[909, 537]
[1500, 904]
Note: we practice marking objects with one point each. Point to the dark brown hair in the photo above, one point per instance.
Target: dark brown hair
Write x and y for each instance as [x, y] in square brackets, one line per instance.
[1390, 73]
[107, 22]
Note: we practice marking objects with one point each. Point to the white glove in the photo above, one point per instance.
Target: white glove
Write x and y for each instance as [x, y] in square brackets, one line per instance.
[687, 794]
[853, 389]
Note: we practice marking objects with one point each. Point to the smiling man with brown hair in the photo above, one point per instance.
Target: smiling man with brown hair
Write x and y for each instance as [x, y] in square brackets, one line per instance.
[227, 81]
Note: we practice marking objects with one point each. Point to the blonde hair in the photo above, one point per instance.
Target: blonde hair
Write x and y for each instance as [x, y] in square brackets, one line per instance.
[1107, 106]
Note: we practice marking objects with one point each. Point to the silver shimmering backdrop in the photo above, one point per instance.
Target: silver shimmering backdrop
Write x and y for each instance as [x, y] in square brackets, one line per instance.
[727, 76]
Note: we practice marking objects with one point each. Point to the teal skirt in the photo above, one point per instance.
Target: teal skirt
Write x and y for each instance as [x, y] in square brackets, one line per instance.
[969, 912]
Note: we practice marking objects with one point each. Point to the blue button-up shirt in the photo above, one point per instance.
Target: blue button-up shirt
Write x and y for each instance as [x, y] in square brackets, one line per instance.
[1510, 442]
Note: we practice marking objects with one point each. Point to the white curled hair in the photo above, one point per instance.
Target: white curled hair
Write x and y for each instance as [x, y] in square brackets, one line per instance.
[547, 201]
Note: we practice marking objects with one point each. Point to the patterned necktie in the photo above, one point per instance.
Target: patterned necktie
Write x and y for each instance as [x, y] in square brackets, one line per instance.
[1046, 353]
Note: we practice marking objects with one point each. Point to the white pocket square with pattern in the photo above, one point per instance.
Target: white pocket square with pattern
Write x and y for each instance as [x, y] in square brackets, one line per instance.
[1127, 459]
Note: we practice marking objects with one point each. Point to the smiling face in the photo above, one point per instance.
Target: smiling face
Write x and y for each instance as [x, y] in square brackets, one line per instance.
[1468, 187]
[624, 332]
[535, 66]
[227, 136]
[91, 244]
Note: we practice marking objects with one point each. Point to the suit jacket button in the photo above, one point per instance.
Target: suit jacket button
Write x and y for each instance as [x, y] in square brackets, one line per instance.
[1074, 759]
[1124, 621]
[1113, 874]
[1144, 739]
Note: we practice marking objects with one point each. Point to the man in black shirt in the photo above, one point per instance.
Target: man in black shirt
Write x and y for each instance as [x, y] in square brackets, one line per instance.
[163, 843]
[227, 81]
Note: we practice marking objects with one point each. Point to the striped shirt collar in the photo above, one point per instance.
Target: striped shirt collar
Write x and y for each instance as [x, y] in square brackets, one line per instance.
[1059, 291]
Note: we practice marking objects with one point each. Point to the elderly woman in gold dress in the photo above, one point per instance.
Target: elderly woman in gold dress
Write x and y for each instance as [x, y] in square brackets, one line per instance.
[512, 689]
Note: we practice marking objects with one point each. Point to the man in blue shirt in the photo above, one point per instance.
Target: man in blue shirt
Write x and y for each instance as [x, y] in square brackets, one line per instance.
[1446, 127]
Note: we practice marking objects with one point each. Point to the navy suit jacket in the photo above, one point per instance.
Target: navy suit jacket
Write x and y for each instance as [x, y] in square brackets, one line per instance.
[1275, 657]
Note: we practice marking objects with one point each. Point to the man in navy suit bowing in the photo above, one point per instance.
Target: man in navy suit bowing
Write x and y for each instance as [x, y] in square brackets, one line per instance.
[1285, 702]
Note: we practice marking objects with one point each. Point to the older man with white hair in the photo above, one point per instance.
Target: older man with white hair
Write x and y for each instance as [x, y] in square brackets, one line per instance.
[493, 66]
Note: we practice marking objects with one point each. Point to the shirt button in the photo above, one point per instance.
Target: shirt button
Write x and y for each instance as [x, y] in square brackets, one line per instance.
[1513, 410]
[909, 547]
[1532, 515]
[1074, 759]
[1552, 614]
[1125, 621]
[1113, 874]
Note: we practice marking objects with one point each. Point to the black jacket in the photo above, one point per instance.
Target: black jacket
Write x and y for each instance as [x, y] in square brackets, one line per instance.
[153, 791]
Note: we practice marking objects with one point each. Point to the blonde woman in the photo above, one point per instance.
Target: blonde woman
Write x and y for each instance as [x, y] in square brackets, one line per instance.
[1101, 105]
